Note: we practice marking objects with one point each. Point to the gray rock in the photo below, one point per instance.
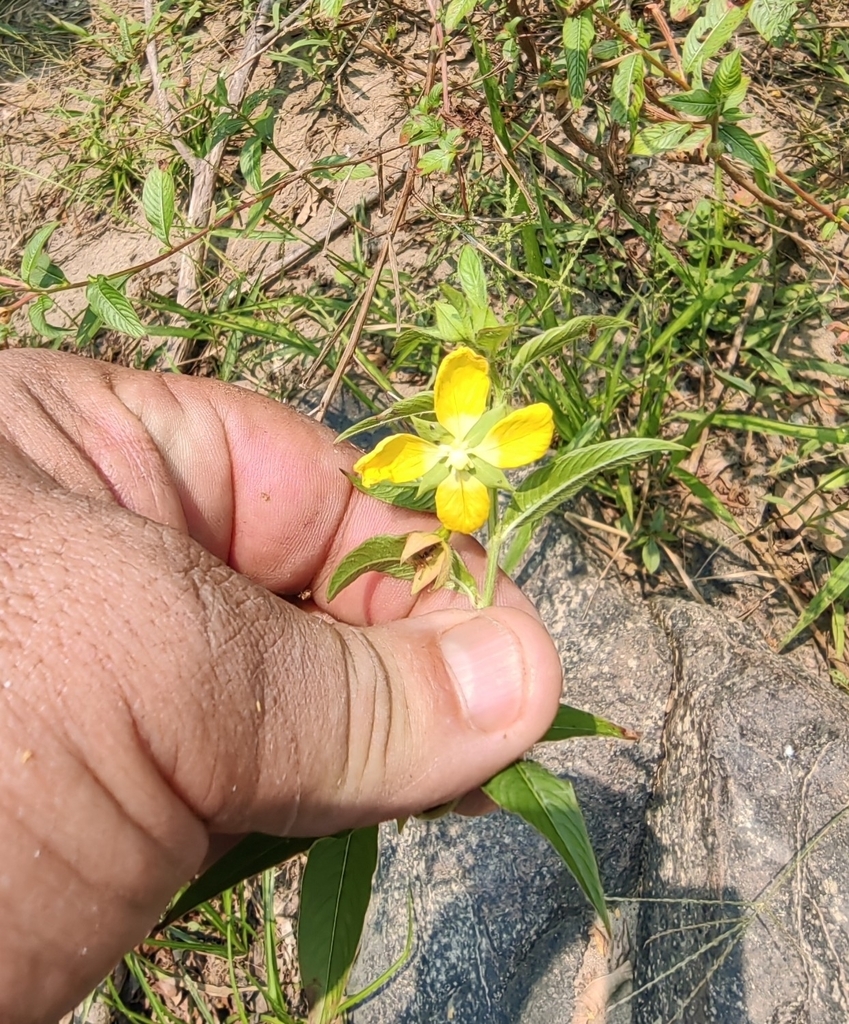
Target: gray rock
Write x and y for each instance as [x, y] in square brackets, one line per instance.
[742, 762]
[748, 836]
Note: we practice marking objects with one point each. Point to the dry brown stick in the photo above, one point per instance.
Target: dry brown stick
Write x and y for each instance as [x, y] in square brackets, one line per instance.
[169, 121]
[177, 350]
[745, 182]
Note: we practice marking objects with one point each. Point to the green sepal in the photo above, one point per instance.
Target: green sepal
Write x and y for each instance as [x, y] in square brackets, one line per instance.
[489, 475]
[485, 424]
[432, 479]
[429, 430]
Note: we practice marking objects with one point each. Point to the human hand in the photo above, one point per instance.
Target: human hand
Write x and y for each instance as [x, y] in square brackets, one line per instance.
[156, 692]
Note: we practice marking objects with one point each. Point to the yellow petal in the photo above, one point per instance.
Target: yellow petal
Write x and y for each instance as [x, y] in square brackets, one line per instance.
[461, 391]
[400, 459]
[522, 437]
[462, 503]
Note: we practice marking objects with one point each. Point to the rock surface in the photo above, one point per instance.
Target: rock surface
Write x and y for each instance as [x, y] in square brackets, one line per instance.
[742, 762]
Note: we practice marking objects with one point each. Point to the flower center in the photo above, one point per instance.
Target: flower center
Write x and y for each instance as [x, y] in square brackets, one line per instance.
[457, 457]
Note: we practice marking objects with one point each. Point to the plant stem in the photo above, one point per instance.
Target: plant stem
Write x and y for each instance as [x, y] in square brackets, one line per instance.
[493, 552]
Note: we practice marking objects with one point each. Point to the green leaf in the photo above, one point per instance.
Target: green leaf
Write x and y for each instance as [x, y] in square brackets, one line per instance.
[490, 339]
[335, 895]
[549, 804]
[550, 485]
[680, 10]
[113, 308]
[735, 98]
[37, 312]
[250, 856]
[398, 495]
[250, 162]
[697, 137]
[45, 273]
[451, 326]
[834, 587]
[710, 33]
[472, 278]
[772, 19]
[378, 554]
[628, 89]
[571, 722]
[158, 203]
[456, 11]
[697, 103]
[727, 76]
[739, 143]
[331, 8]
[659, 138]
[555, 339]
[651, 555]
[31, 264]
[578, 35]
[401, 410]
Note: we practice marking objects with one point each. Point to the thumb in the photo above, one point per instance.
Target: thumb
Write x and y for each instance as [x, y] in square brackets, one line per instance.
[317, 726]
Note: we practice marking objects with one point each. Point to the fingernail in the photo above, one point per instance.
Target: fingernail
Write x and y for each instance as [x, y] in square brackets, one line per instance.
[487, 663]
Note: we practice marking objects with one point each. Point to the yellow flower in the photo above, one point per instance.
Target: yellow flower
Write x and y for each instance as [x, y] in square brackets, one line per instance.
[465, 451]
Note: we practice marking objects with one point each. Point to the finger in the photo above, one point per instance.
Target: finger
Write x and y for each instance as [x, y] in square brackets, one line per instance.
[257, 484]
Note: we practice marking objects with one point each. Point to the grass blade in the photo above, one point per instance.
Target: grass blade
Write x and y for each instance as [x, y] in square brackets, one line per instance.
[834, 587]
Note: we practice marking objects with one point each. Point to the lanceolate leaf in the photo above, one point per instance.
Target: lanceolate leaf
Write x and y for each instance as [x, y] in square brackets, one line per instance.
[659, 138]
[628, 89]
[45, 273]
[406, 407]
[158, 203]
[30, 262]
[114, 308]
[740, 144]
[550, 805]
[680, 10]
[710, 33]
[696, 103]
[456, 11]
[397, 494]
[379, 554]
[250, 162]
[571, 722]
[551, 485]
[250, 856]
[578, 34]
[773, 18]
[727, 76]
[556, 338]
[335, 895]
[472, 278]
[834, 587]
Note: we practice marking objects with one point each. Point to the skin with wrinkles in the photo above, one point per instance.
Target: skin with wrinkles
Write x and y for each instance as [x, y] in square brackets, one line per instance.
[157, 689]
